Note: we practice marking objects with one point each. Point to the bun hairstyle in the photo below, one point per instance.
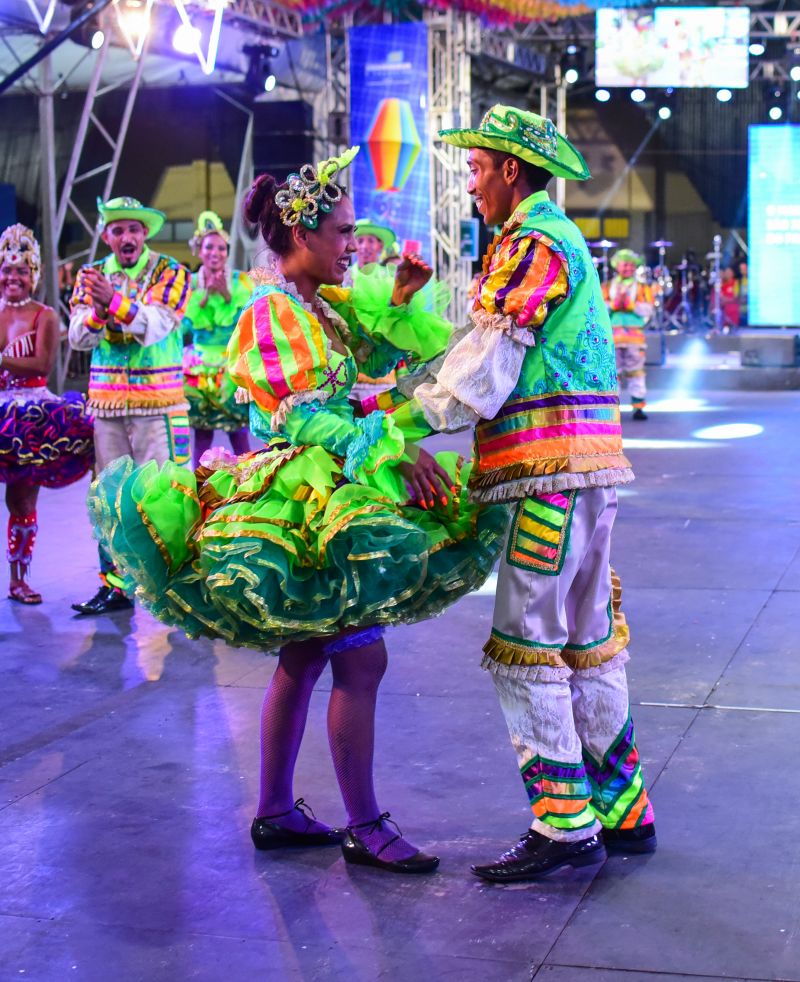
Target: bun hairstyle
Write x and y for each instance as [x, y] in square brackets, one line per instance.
[260, 209]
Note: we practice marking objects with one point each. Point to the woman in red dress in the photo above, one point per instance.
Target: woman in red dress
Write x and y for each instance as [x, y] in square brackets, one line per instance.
[44, 439]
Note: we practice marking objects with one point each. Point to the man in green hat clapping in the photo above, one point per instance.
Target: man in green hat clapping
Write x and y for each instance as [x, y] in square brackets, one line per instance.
[536, 378]
[127, 310]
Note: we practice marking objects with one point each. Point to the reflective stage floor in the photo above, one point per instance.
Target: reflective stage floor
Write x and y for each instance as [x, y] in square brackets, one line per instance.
[129, 764]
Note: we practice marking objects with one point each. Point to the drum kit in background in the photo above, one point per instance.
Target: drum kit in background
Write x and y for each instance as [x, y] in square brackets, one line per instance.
[681, 293]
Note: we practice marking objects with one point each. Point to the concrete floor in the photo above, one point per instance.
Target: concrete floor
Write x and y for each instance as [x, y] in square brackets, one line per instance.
[129, 762]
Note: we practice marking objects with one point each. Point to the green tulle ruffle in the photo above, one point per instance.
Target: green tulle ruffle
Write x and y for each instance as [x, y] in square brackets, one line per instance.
[278, 546]
[210, 391]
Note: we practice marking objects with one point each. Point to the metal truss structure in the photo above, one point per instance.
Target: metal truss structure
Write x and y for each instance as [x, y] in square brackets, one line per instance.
[101, 176]
[265, 17]
[449, 105]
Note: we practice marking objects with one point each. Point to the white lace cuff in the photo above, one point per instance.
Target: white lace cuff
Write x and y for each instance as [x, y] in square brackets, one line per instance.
[286, 405]
[480, 371]
[507, 325]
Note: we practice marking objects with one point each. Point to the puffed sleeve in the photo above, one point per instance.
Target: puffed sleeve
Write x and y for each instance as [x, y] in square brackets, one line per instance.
[279, 353]
[415, 332]
[86, 326]
[526, 278]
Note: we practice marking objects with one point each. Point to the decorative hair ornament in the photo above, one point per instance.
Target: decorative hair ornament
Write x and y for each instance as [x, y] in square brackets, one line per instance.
[208, 223]
[312, 190]
[18, 245]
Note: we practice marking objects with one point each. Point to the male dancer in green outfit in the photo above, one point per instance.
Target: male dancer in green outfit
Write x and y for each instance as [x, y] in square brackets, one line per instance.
[536, 378]
[127, 310]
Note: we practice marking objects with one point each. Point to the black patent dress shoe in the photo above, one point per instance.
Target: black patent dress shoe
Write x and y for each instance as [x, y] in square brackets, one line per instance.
[638, 840]
[266, 833]
[107, 599]
[639, 415]
[357, 852]
[535, 855]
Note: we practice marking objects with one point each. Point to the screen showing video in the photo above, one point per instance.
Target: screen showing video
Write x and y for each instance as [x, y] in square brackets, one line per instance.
[677, 47]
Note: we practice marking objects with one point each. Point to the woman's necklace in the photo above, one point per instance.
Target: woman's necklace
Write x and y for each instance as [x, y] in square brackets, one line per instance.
[15, 303]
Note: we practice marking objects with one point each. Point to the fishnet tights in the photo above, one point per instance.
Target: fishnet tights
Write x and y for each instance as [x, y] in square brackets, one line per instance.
[357, 674]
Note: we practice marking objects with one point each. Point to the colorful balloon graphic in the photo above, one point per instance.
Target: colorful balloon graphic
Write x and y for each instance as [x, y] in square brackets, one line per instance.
[393, 144]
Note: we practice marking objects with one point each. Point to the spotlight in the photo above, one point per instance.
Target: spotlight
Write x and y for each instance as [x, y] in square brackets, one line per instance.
[724, 95]
[757, 49]
[794, 73]
[260, 76]
[186, 39]
[572, 63]
[638, 95]
[602, 95]
[98, 39]
[775, 113]
[664, 112]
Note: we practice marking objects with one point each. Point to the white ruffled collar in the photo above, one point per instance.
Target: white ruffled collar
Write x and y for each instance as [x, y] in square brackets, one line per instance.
[270, 275]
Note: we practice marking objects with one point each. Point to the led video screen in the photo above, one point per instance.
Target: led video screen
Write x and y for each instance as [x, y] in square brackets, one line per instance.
[673, 47]
[774, 225]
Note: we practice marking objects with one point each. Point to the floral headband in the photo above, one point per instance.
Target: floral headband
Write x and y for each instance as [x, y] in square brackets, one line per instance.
[18, 245]
[312, 190]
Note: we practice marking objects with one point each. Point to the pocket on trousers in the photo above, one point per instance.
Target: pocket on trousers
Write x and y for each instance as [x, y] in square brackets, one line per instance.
[539, 537]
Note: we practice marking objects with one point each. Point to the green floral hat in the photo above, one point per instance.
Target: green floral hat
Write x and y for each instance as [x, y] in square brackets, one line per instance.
[626, 256]
[525, 135]
[121, 209]
[365, 227]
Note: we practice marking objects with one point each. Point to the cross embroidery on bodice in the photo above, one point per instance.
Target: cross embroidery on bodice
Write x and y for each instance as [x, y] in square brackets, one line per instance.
[332, 376]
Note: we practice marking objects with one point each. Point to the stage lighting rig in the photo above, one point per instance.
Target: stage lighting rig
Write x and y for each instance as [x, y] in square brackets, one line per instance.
[573, 63]
[665, 104]
[90, 34]
[260, 77]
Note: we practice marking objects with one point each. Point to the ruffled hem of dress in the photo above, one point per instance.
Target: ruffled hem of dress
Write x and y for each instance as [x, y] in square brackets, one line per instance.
[257, 566]
[547, 483]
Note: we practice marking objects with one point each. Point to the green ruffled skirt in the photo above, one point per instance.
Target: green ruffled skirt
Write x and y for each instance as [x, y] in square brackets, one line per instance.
[210, 391]
[278, 545]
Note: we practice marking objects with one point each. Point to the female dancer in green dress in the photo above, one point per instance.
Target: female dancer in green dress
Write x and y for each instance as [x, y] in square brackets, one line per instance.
[218, 296]
[311, 545]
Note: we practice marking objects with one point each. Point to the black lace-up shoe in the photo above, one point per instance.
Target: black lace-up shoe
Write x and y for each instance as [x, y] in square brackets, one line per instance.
[266, 833]
[358, 852]
[638, 840]
[535, 855]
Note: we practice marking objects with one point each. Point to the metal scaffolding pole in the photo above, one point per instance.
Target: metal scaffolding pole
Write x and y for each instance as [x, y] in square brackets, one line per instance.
[47, 191]
[331, 105]
[449, 104]
[553, 105]
[119, 142]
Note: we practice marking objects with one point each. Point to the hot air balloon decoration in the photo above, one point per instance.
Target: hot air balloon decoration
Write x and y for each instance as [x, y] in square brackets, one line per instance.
[393, 144]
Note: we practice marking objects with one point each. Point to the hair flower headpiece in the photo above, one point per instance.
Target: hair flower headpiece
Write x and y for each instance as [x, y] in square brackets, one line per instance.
[312, 190]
